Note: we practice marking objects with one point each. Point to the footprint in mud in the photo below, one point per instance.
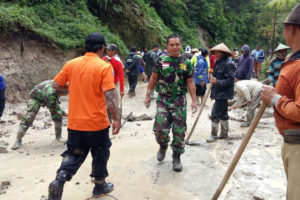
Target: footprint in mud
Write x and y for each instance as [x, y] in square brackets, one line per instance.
[3, 150]
[4, 186]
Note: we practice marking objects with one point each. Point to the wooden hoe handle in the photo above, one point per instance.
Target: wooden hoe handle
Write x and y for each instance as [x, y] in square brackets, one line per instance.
[200, 111]
[240, 150]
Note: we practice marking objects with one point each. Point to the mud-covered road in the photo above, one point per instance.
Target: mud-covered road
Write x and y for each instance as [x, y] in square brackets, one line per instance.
[133, 168]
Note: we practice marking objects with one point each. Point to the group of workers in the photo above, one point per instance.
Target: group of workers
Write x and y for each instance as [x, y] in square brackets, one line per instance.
[91, 82]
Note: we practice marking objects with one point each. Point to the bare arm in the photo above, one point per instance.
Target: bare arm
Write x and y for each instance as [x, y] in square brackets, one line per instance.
[151, 84]
[192, 91]
[58, 87]
[111, 103]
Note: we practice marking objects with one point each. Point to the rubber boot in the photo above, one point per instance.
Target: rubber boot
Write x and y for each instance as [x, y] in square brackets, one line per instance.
[20, 134]
[162, 152]
[249, 118]
[56, 187]
[58, 130]
[214, 132]
[101, 187]
[224, 129]
[177, 167]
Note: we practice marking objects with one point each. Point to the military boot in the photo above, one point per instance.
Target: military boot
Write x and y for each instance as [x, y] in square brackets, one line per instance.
[20, 134]
[162, 152]
[177, 167]
[101, 187]
[58, 130]
[214, 132]
[224, 129]
[56, 187]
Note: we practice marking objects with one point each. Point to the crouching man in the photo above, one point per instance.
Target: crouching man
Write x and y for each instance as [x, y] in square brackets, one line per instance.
[251, 91]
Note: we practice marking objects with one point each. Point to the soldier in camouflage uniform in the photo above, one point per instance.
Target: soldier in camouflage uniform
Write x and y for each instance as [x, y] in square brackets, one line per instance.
[173, 76]
[42, 94]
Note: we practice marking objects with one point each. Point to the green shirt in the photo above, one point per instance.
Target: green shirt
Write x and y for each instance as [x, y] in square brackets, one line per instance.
[172, 75]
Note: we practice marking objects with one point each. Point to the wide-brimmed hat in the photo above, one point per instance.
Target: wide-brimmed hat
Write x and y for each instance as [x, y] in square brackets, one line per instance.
[282, 47]
[221, 47]
[195, 50]
[294, 16]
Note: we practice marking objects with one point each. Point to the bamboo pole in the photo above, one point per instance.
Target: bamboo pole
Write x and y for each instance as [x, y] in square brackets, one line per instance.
[200, 111]
[237, 106]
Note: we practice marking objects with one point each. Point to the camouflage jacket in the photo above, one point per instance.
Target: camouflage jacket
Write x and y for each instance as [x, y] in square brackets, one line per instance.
[172, 75]
[46, 95]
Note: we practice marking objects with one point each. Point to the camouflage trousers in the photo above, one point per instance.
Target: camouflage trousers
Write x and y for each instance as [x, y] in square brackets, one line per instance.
[171, 113]
[32, 109]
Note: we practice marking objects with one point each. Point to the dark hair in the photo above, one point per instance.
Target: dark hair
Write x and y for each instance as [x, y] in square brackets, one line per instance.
[204, 52]
[94, 42]
[200, 49]
[174, 35]
[155, 46]
[112, 47]
[133, 49]
[294, 25]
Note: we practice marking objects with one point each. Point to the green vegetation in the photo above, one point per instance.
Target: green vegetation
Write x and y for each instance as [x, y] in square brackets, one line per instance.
[145, 22]
[61, 22]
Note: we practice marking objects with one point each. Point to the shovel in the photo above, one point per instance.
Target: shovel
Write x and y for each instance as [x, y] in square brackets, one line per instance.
[199, 114]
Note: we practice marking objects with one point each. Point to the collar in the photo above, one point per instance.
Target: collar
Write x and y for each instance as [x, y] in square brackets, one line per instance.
[295, 56]
[91, 54]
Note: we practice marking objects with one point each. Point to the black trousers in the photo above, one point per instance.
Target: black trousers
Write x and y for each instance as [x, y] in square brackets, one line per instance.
[132, 80]
[220, 110]
[79, 144]
[2, 101]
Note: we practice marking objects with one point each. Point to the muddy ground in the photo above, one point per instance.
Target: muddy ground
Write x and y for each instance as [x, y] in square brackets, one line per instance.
[133, 168]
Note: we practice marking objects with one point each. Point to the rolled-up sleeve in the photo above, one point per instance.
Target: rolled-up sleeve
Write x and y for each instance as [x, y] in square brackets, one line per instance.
[108, 79]
[62, 77]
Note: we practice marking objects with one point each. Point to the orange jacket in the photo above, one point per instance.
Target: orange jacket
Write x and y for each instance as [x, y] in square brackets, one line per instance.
[287, 109]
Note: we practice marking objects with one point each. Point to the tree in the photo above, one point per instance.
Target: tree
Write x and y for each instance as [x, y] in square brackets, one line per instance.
[278, 5]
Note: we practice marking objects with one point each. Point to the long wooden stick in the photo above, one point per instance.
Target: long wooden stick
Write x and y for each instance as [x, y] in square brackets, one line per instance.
[121, 109]
[200, 111]
[240, 150]
[237, 106]
[126, 119]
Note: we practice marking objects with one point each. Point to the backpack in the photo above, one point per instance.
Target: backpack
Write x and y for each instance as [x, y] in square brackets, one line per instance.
[148, 57]
[129, 61]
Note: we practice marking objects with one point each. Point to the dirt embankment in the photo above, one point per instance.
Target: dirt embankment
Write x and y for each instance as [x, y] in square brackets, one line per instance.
[26, 60]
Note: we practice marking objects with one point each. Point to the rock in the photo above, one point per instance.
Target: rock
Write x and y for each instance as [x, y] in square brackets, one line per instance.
[4, 186]
[3, 150]
[257, 198]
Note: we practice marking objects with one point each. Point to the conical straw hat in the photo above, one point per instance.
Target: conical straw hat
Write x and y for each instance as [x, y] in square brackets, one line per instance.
[221, 47]
[281, 47]
[195, 50]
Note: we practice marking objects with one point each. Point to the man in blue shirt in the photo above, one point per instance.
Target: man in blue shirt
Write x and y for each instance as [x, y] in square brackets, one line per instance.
[2, 95]
[201, 75]
[259, 56]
